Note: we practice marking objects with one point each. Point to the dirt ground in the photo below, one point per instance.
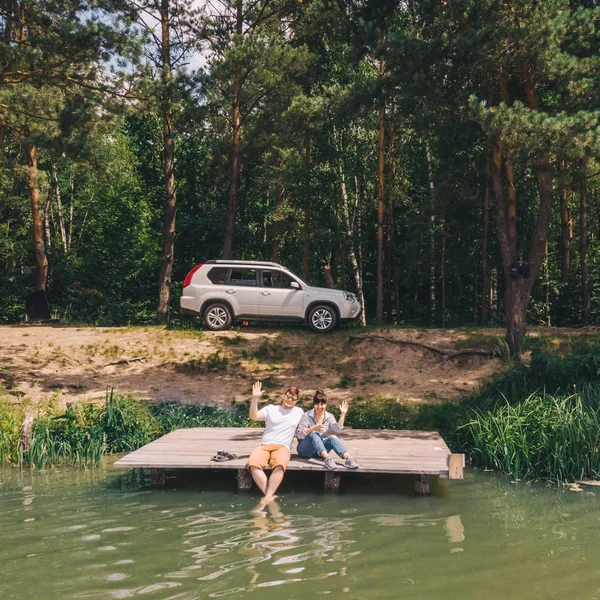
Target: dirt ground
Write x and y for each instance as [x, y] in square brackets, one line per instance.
[68, 364]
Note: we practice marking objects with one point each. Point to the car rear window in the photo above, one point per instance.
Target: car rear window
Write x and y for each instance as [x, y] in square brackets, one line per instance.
[243, 277]
[218, 275]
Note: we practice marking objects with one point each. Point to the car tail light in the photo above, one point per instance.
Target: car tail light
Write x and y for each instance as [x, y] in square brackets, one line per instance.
[188, 277]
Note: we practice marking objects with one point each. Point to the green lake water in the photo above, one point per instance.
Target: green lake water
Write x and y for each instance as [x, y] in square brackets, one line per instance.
[106, 534]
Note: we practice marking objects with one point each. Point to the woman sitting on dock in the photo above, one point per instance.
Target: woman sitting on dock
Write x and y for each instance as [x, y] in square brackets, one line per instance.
[316, 431]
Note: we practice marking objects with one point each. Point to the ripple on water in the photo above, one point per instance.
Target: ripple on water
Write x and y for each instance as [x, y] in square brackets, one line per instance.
[164, 545]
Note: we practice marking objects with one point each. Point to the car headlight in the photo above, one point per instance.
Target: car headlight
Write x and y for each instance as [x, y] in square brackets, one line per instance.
[350, 297]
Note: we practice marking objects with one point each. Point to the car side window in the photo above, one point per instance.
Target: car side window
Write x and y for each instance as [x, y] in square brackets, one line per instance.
[276, 279]
[243, 277]
[218, 275]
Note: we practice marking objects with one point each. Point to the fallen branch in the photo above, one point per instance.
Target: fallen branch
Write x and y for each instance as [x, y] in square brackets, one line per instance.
[125, 361]
[447, 354]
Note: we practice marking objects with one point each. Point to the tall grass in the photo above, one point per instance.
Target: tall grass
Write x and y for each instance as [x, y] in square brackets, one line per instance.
[80, 436]
[171, 416]
[554, 437]
[11, 420]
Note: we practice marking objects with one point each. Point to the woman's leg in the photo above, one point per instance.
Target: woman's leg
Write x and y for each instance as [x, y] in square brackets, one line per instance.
[311, 446]
[333, 443]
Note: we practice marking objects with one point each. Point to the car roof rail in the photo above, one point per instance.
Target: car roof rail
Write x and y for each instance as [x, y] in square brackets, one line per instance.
[262, 263]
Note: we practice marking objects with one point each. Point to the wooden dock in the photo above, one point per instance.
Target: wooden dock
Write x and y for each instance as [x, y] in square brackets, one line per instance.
[420, 453]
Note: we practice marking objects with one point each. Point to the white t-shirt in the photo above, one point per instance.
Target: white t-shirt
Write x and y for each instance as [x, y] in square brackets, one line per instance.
[280, 424]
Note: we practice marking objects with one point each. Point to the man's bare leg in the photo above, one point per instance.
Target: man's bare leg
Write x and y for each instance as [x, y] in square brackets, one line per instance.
[260, 478]
[274, 482]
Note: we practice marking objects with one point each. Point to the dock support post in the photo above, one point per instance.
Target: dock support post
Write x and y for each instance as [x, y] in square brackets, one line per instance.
[158, 477]
[422, 485]
[244, 479]
[332, 482]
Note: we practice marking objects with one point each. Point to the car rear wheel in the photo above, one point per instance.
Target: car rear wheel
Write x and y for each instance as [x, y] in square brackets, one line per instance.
[217, 317]
[322, 319]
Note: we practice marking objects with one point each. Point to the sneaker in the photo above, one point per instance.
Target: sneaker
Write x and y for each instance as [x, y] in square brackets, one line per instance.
[330, 463]
[351, 463]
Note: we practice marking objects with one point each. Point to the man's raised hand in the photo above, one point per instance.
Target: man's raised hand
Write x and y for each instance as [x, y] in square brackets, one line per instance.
[344, 407]
[257, 389]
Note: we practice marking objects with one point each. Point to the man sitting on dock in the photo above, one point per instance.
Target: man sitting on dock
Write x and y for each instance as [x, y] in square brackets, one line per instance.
[276, 442]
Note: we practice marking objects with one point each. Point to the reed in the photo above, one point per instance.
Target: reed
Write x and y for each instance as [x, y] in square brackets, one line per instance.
[80, 436]
[545, 436]
[11, 420]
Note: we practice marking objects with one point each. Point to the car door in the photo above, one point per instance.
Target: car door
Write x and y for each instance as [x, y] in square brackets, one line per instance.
[243, 292]
[277, 296]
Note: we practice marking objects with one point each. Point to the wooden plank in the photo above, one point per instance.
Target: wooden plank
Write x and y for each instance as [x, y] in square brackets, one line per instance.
[456, 463]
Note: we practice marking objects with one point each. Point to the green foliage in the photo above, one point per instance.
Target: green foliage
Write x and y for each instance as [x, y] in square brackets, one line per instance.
[554, 437]
[127, 423]
[80, 436]
[172, 415]
[11, 421]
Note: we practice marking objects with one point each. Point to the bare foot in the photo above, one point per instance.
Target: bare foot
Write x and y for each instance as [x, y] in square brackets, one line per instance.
[267, 499]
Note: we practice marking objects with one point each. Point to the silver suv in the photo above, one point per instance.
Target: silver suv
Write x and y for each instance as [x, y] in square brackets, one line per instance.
[224, 291]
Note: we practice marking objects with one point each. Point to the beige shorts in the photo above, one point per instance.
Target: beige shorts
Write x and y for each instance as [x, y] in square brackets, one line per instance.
[273, 455]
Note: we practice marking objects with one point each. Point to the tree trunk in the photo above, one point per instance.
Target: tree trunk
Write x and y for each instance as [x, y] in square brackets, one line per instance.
[380, 202]
[494, 293]
[518, 290]
[485, 297]
[168, 229]
[236, 120]
[329, 282]
[2, 135]
[583, 240]
[566, 226]
[443, 268]
[70, 233]
[47, 212]
[390, 234]
[59, 210]
[235, 172]
[350, 234]
[306, 249]
[547, 284]
[36, 213]
[359, 207]
[432, 232]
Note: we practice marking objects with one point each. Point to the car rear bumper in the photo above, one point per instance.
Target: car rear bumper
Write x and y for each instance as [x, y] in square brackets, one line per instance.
[188, 306]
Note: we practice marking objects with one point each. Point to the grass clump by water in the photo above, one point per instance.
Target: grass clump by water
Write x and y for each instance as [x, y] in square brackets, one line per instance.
[554, 437]
[11, 420]
[81, 435]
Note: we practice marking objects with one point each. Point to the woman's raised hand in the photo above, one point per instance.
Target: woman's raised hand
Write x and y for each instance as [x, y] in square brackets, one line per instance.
[344, 407]
[257, 389]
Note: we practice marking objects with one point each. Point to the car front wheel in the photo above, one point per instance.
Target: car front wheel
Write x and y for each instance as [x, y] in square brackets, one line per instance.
[322, 319]
[217, 317]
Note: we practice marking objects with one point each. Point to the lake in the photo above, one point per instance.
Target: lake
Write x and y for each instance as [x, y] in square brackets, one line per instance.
[104, 534]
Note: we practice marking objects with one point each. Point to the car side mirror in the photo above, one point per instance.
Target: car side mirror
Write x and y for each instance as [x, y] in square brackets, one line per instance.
[295, 285]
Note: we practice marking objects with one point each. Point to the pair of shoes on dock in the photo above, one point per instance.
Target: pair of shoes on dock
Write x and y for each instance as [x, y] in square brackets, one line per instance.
[221, 456]
[349, 463]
